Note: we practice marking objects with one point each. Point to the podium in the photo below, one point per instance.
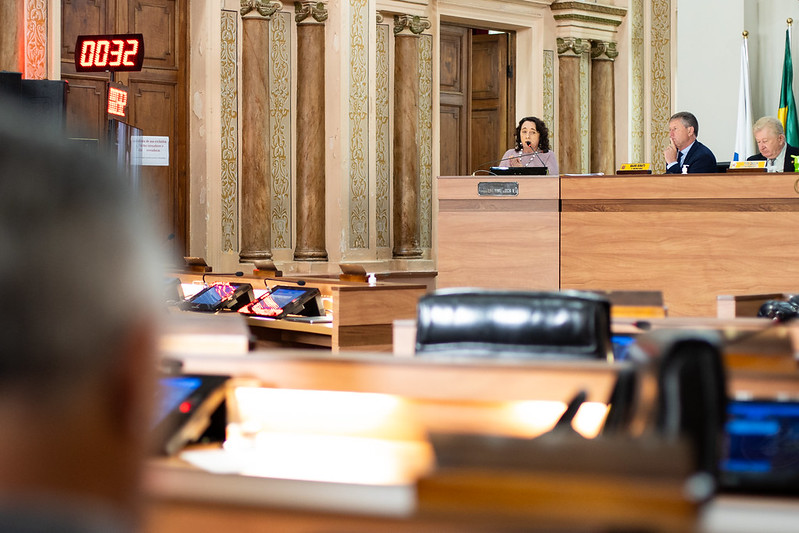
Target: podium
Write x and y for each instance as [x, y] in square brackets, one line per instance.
[498, 232]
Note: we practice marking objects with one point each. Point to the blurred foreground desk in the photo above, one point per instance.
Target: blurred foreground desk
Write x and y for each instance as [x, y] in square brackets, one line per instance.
[595, 491]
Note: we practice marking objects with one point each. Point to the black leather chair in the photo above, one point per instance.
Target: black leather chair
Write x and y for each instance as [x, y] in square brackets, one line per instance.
[513, 324]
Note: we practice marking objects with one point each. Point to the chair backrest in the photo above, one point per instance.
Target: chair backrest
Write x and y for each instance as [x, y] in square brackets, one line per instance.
[691, 400]
[513, 324]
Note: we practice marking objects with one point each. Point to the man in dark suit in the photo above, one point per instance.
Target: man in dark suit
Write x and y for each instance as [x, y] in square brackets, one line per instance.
[684, 150]
[770, 138]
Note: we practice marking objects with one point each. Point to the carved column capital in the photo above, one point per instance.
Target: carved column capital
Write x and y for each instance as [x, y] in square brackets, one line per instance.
[379, 17]
[413, 23]
[572, 46]
[316, 10]
[264, 9]
[604, 51]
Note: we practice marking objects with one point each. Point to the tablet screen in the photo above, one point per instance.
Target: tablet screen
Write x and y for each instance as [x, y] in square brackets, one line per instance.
[173, 391]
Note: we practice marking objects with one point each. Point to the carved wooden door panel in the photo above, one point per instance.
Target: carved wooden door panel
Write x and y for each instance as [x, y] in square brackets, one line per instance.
[490, 87]
[157, 101]
[455, 94]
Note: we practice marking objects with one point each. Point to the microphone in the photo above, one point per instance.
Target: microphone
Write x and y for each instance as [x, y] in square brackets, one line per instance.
[492, 163]
[535, 153]
[300, 282]
[238, 274]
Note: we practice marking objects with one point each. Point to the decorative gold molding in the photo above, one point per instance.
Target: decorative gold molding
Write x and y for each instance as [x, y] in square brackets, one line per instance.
[228, 85]
[572, 46]
[585, 113]
[280, 134]
[586, 20]
[548, 86]
[413, 23]
[589, 7]
[35, 39]
[424, 136]
[359, 125]
[603, 51]
[316, 10]
[265, 9]
[382, 138]
[660, 72]
[637, 77]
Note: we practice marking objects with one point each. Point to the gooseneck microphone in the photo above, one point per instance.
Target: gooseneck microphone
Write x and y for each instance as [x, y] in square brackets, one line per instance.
[492, 163]
[238, 274]
[300, 282]
[535, 153]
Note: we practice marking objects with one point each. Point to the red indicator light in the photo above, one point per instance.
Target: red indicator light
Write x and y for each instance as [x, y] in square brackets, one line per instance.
[184, 407]
[98, 53]
[117, 101]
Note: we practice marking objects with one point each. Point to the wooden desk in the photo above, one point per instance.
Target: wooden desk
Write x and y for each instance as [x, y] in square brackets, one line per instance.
[362, 314]
[692, 237]
[502, 242]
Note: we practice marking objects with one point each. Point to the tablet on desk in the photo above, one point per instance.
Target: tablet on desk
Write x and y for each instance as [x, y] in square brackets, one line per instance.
[184, 405]
[283, 300]
[322, 319]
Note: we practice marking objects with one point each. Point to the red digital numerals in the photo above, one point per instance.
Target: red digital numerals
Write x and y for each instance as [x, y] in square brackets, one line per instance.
[117, 101]
[109, 52]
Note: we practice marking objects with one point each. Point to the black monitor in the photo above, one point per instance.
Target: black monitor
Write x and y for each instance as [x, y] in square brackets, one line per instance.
[761, 447]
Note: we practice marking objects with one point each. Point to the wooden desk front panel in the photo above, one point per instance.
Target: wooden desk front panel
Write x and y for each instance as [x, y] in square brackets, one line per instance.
[693, 237]
[498, 242]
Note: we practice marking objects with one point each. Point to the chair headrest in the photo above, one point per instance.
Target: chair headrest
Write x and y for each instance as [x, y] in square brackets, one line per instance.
[520, 324]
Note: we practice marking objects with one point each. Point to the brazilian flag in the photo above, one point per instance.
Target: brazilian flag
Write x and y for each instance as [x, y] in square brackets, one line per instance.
[787, 111]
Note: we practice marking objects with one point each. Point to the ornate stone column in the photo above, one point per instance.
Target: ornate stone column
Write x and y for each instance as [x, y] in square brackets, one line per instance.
[406, 180]
[569, 138]
[603, 108]
[310, 18]
[578, 23]
[12, 15]
[256, 178]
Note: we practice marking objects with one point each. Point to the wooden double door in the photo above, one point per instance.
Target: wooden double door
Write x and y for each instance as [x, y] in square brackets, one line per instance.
[157, 96]
[477, 106]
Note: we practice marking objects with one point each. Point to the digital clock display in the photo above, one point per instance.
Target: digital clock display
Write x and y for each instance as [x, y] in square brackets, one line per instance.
[116, 53]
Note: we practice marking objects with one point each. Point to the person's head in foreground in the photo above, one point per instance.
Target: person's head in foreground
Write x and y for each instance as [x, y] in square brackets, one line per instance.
[78, 297]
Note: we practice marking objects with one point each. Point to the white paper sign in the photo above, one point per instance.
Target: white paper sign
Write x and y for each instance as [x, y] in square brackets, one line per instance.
[149, 150]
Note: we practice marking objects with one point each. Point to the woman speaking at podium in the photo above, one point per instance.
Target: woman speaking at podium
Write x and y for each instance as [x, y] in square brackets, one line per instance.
[532, 147]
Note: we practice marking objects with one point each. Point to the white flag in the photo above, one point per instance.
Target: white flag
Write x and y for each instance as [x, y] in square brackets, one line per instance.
[744, 145]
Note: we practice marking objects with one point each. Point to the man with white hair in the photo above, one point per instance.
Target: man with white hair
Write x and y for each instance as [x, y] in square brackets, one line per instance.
[79, 287]
[770, 139]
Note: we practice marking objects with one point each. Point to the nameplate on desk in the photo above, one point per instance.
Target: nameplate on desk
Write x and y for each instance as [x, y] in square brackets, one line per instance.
[635, 168]
[498, 188]
[737, 165]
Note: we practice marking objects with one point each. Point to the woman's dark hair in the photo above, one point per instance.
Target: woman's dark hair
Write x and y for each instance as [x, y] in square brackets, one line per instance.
[543, 133]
